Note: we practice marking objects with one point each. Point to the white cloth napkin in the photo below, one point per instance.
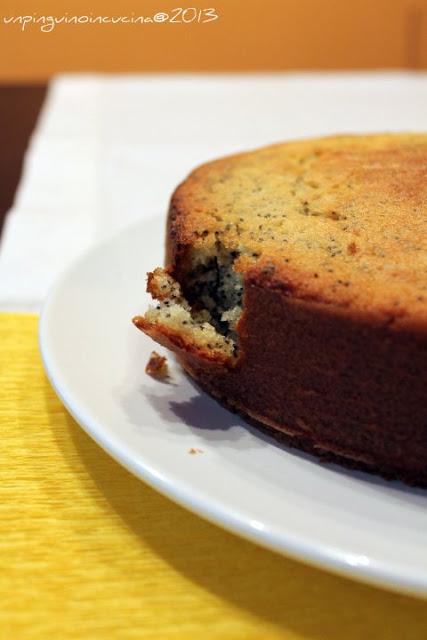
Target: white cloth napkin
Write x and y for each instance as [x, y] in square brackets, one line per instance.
[109, 150]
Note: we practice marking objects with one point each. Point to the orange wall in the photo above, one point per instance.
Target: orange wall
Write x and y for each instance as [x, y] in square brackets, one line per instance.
[249, 35]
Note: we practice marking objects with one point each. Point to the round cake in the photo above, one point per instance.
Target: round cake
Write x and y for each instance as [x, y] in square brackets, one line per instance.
[295, 292]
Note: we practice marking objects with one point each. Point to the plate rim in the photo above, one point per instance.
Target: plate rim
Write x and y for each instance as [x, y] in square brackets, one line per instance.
[301, 549]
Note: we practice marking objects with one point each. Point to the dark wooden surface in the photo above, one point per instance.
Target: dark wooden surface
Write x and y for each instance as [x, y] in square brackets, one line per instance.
[19, 108]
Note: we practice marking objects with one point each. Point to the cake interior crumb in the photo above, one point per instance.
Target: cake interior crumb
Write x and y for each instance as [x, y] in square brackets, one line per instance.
[214, 286]
[208, 311]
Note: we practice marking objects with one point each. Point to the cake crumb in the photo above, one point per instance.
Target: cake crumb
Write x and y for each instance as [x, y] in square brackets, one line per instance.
[157, 366]
[193, 451]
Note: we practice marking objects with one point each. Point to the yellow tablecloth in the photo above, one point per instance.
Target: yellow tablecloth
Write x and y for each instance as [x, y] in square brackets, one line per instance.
[89, 551]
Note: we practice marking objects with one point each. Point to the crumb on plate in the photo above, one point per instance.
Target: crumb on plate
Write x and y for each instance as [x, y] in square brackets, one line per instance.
[157, 366]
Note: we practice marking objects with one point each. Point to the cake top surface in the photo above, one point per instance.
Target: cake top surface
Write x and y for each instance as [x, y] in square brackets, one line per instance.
[339, 221]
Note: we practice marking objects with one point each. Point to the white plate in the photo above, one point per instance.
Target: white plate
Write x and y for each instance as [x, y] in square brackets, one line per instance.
[350, 523]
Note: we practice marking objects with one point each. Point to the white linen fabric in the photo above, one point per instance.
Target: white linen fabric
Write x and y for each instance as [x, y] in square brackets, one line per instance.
[109, 149]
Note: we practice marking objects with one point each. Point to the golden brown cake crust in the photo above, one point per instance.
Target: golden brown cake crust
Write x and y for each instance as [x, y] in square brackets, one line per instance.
[331, 243]
[339, 220]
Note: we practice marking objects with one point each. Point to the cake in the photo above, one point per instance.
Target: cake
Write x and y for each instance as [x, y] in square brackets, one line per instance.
[295, 292]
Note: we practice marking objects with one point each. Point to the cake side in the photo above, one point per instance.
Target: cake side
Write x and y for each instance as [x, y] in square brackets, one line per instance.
[345, 387]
